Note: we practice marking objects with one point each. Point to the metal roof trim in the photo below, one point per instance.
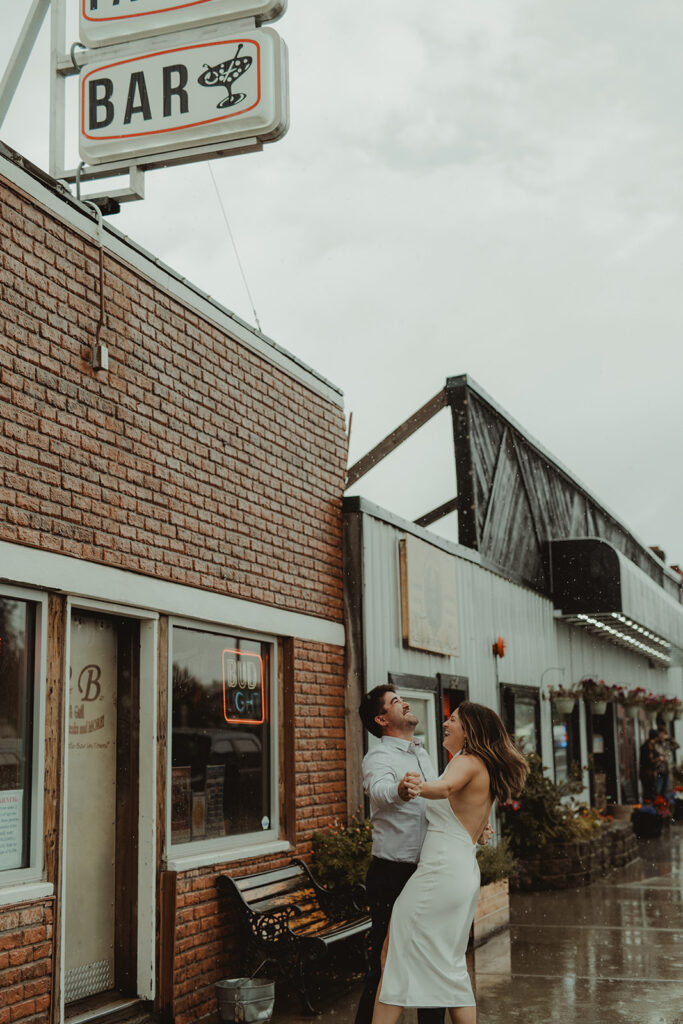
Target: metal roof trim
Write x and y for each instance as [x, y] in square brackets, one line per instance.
[468, 382]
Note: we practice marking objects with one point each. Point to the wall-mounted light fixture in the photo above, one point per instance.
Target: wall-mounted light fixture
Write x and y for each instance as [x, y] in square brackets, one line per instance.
[498, 647]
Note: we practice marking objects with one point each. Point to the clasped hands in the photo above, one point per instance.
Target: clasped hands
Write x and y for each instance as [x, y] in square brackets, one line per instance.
[410, 786]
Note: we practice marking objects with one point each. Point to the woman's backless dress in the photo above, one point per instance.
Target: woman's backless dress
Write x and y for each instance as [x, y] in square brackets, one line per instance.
[431, 919]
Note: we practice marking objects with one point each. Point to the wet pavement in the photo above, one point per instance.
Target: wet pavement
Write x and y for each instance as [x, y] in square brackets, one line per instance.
[610, 953]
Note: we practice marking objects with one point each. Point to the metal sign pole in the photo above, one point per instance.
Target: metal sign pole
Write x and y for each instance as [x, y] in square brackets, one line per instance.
[57, 88]
[21, 54]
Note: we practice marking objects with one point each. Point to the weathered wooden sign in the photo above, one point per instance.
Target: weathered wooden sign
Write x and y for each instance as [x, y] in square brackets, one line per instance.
[103, 22]
[203, 92]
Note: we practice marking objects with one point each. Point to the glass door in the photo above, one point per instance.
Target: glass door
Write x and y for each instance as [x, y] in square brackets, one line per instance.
[101, 807]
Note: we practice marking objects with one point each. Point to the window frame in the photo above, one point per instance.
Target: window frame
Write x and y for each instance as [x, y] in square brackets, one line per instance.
[34, 872]
[530, 694]
[223, 848]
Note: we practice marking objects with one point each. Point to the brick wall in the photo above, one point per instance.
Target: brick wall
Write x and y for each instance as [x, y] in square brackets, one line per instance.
[206, 944]
[25, 962]
[319, 739]
[192, 459]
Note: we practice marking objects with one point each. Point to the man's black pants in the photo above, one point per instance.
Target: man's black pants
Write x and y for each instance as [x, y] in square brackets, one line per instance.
[384, 882]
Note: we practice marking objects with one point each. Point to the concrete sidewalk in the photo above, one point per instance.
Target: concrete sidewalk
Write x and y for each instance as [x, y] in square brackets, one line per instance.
[611, 953]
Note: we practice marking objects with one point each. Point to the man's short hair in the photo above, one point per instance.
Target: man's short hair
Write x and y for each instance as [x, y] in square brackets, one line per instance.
[372, 705]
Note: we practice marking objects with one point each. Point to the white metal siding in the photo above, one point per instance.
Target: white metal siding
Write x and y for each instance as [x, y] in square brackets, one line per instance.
[488, 606]
[541, 651]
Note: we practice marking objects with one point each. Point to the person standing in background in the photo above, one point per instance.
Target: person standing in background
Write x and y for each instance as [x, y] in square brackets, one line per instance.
[666, 746]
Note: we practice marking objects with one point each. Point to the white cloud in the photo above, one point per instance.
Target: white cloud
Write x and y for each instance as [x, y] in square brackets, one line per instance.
[489, 187]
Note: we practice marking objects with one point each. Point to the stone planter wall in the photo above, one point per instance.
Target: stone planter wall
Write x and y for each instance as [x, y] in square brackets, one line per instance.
[493, 911]
[567, 865]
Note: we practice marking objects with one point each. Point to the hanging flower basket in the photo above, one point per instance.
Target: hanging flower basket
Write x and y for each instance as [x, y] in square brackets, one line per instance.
[596, 693]
[653, 705]
[563, 698]
[672, 709]
[631, 700]
[564, 705]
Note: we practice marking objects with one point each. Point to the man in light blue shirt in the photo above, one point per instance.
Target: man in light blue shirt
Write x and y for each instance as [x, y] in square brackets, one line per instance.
[399, 823]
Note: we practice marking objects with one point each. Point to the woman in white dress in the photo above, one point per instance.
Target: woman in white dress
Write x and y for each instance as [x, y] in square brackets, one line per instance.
[431, 920]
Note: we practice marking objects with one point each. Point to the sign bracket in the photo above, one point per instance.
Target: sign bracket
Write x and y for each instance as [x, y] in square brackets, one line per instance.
[65, 63]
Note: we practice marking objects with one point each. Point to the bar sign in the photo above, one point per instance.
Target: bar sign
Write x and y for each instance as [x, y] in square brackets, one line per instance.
[103, 22]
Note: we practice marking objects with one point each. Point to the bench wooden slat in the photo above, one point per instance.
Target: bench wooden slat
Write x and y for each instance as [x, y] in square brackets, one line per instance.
[284, 917]
[265, 878]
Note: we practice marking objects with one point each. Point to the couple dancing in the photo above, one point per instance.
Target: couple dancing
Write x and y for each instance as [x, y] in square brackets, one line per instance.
[423, 879]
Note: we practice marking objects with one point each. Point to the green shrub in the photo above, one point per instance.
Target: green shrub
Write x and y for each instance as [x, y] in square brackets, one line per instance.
[585, 824]
[496, 862]
[341, 853]
[541, 815]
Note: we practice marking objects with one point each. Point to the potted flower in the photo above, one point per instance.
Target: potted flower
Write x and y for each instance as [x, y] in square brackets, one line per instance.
[341, 855]
[563, 698]
[632, 700]
[597, 693]
[678, 803]
[649, 818]
[671, 709]
[646, 822]
[653, 705]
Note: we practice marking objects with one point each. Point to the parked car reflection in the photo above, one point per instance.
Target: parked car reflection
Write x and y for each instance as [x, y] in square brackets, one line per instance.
[244, 776]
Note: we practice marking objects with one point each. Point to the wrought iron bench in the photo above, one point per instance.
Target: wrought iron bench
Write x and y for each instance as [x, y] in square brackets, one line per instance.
[289, 919]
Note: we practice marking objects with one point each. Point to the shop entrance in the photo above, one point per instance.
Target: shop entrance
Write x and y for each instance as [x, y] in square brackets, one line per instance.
[101, 885]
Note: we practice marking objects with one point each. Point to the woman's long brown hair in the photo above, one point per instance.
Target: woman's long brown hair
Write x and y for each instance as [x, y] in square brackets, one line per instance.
[486, 737]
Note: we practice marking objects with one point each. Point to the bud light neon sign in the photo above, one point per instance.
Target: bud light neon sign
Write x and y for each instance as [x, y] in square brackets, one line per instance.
[244, 699]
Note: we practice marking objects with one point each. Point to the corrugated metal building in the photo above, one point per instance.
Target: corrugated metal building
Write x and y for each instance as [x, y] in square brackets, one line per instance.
[543, 566]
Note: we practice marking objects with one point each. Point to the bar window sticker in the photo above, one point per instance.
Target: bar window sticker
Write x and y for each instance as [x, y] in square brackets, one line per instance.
[244, 700]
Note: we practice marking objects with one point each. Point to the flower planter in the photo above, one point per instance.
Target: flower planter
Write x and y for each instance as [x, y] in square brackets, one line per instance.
[631, 710]
[667, 716]
[569, 865]
[646, 825]
[598, 707]
[564, 705]
[493, 911]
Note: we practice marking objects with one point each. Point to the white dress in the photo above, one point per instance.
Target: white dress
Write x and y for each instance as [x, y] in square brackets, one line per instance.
[431, 919]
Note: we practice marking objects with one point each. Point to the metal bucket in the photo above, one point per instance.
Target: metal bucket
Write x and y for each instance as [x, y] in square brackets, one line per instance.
[245, 999]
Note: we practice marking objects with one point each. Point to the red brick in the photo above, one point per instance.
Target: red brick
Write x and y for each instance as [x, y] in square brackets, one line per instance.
[22, 1010]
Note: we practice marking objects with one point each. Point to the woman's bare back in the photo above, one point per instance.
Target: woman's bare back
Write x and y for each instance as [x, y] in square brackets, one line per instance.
[472, 803]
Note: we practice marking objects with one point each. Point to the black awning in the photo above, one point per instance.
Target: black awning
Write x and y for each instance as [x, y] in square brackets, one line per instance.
[595, 586]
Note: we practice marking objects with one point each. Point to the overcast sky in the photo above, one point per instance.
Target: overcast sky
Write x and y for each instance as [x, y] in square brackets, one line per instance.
[490, 187]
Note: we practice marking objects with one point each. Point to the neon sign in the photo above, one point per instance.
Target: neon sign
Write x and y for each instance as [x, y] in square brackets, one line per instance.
[244, 697]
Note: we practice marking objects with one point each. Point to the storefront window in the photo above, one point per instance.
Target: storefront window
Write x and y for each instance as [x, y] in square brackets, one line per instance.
[520, 714]
[566, 750]
[17, 677]
[221, 741]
